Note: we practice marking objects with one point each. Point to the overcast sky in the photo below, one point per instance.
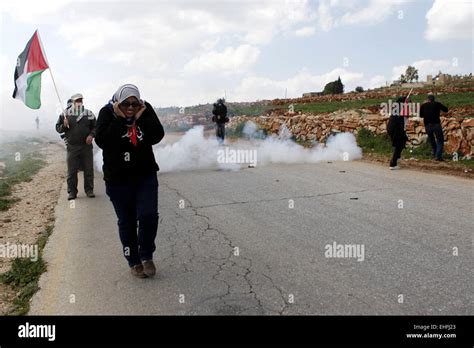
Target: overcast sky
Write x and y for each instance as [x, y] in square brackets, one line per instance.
[188, 52]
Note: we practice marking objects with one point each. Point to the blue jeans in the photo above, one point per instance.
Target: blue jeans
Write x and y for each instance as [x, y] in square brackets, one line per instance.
[436, 138]
[136, 203]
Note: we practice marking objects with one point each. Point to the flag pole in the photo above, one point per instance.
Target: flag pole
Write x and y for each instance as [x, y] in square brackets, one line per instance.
[51, 73]
[405, 106]
[55, 87]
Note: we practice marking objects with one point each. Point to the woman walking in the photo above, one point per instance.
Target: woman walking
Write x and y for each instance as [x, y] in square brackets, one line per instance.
[127, 127]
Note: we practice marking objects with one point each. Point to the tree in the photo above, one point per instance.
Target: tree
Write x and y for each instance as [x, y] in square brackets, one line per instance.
[410, 74]
[334, 87]
[359, 89]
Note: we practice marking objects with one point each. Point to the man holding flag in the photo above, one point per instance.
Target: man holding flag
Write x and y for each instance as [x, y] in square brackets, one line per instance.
[78, 125]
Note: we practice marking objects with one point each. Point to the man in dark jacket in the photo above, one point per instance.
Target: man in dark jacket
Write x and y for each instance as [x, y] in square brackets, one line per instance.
[78, 125]
[127, 128]
[219, 111]
[396, 131]
[63, 134]
[430, 111]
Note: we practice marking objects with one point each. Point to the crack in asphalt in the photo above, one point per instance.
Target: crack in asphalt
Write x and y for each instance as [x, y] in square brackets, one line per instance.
[224, 262]
[287, 198]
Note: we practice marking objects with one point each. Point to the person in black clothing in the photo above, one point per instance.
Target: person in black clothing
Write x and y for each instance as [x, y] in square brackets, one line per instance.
[63, 134]
[430, 111]
[219, 112]
[396, 131]
[78, 126]
[127, 128]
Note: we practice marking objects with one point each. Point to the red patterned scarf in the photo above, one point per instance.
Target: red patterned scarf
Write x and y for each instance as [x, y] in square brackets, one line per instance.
[132, 134]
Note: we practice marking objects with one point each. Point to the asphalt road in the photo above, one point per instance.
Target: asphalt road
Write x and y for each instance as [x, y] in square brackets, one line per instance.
[280, 266]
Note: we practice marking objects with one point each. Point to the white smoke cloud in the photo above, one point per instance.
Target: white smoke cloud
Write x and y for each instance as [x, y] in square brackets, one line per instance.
[195, 151]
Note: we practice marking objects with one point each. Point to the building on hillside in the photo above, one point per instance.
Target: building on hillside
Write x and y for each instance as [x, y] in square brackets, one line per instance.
[446, 79]
[438, 80]
[312, 94]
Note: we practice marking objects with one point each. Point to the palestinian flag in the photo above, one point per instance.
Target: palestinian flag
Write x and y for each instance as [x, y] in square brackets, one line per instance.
[29, 66]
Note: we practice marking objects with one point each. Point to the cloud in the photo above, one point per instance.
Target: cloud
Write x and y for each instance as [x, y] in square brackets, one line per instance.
[256, 87]
[170, 30]
[325, 19]
[33, 10]
[231, 60]
[334, 13]
[305, 31]
[450, 20]
[376, 81]
[95, 46]
[376, 11]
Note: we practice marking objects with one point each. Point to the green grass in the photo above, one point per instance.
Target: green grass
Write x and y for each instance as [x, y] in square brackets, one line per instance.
[256, 109]
[450, 100]
[252, 110]
[17, 171]
[331, 106]
[422, 151]
[464, 163]
[381, 145]
[24, 275]
[372, 143]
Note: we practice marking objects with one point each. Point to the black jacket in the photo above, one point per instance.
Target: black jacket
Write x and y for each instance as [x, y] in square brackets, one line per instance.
[396, 131]
[78, 131]
[123, 161]
[430, 112]
[219, 111]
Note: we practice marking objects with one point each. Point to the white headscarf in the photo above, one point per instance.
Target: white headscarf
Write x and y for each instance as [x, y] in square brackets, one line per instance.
[126, 91]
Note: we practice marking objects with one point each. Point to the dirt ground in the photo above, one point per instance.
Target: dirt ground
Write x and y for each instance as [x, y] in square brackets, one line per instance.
[29, 217]
[429, 166]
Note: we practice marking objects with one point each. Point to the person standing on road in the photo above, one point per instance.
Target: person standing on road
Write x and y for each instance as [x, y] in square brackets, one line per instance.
[429, 112]
[219, 112]
[127, 127]
[396, 131]
[78, 125]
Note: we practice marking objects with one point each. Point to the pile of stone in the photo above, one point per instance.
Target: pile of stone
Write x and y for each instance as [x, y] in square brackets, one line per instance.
[458, 132]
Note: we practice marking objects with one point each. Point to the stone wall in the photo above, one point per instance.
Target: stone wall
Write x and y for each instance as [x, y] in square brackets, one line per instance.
[458, 132]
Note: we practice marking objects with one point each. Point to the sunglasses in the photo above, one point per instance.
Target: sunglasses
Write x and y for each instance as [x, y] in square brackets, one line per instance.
[127, 104]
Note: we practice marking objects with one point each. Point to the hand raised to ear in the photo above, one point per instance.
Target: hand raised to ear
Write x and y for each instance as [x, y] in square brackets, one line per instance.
[140, 112]
[117, 110]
